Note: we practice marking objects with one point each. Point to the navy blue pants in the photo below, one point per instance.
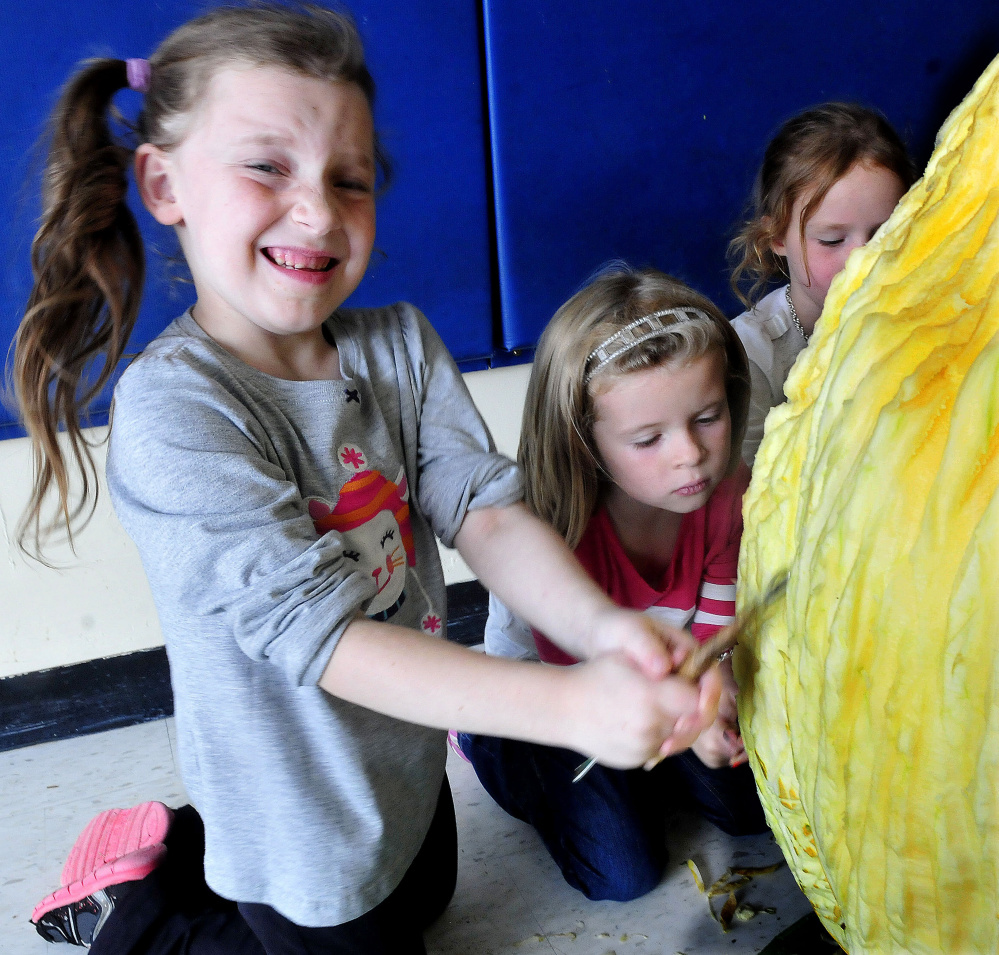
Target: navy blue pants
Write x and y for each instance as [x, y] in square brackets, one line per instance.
[173, 911]
[607, 833]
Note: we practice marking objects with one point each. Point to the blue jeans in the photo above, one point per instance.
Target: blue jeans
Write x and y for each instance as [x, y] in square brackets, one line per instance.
[607, 833]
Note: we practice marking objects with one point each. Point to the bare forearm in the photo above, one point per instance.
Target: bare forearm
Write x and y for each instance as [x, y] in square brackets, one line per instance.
[530, 568]
[425, 680]
[623, 706]
[606, 708]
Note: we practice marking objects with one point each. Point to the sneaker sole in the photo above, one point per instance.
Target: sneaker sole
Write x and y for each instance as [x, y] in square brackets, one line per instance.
[119, 845]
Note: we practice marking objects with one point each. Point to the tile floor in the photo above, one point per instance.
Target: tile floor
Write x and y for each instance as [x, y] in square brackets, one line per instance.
[510, 900]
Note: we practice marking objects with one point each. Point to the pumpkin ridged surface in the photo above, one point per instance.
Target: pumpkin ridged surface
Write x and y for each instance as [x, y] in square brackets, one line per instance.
[868, 696]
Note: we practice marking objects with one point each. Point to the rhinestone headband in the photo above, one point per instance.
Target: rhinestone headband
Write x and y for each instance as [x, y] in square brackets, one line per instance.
[640, 330]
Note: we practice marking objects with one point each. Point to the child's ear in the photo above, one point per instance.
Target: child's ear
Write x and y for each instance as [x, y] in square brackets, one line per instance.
[777, 244]
[153, 171]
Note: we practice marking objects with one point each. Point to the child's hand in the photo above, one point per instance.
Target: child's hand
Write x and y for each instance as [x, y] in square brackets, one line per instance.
[625, 719]
[653, 646]
[721, 744]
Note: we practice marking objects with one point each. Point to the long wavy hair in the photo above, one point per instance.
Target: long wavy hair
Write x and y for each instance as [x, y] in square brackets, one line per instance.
[87, 256]
[563, 474]
[809, 153]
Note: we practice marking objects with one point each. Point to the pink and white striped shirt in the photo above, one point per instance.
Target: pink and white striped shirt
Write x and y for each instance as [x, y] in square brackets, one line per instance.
[697, 590]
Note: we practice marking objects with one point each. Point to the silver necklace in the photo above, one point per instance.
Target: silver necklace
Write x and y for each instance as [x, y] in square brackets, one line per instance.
[794, 314]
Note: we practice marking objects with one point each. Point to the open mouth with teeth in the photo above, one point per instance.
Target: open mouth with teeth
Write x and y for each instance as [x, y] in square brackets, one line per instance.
[300, 261]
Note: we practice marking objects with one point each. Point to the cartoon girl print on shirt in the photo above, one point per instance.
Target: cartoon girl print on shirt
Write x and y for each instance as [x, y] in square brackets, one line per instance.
[372, 516]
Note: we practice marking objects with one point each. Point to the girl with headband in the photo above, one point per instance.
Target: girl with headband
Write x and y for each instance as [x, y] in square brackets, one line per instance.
[630, 450]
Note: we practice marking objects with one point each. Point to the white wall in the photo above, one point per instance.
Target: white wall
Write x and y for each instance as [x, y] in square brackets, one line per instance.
[97, 604]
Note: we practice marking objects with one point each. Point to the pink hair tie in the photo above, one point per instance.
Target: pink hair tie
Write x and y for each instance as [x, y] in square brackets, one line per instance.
[138, 73]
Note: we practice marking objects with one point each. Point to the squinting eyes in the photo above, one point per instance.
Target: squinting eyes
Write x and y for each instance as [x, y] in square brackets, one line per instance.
[347, 185]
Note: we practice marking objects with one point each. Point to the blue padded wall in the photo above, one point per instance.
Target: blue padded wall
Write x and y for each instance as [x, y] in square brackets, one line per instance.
[627, 130]
[634, 130]
[433, 222]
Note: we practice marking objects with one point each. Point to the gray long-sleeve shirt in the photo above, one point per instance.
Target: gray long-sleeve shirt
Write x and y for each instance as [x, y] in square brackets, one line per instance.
[268, 514]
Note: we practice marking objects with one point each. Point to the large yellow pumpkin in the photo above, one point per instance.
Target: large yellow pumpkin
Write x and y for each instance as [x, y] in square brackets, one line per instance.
[870, 696]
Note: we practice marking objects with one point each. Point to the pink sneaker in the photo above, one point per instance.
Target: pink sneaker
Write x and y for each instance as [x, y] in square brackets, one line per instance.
[119, 845]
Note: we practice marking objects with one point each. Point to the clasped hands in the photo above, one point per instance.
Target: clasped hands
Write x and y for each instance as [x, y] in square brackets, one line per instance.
[639, 710]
